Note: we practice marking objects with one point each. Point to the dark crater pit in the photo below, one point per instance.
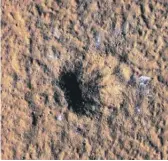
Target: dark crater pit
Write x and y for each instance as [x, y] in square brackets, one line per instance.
[72, 91]
[80, 100]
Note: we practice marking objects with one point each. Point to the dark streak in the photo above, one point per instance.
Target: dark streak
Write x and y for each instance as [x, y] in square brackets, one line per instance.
[34, 119]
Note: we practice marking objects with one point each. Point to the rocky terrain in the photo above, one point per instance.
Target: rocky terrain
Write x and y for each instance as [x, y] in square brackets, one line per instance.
[84, 79]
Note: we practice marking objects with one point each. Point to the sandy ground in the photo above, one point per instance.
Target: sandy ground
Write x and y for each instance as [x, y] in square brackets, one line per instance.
[71, 79]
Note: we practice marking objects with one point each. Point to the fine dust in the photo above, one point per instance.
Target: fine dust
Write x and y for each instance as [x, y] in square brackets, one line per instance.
[70, 79]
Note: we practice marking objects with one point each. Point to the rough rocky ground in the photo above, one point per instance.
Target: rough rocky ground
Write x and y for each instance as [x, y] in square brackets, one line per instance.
[70, 72]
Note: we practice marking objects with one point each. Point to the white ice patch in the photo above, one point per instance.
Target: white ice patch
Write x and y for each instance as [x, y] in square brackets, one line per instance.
[60, 117]
[143, 91]
[144, 79]
[56, 33]
[98, 40]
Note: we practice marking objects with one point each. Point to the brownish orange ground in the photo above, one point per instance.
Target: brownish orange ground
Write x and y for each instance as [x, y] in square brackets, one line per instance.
[115, 38]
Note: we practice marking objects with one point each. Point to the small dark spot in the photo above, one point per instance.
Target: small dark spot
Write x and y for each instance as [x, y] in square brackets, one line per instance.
[15, 79]
[43, 66]
[45, 96]
[46, 37]
[123, 57]
[140, 32]
[151, 7]
[57, 96]
[58, 2]
[79, 129]
[34, 119]
[116, 70]
[56, 53]
[29, 99]
[86, 47]
[39, 9]
[29, 85]
[155, 41]
[128, 6]
[109, 49]
[147, 157]
[29, 63]
[31, 45]
[161, 155]
[160, 78]
[132, 80]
